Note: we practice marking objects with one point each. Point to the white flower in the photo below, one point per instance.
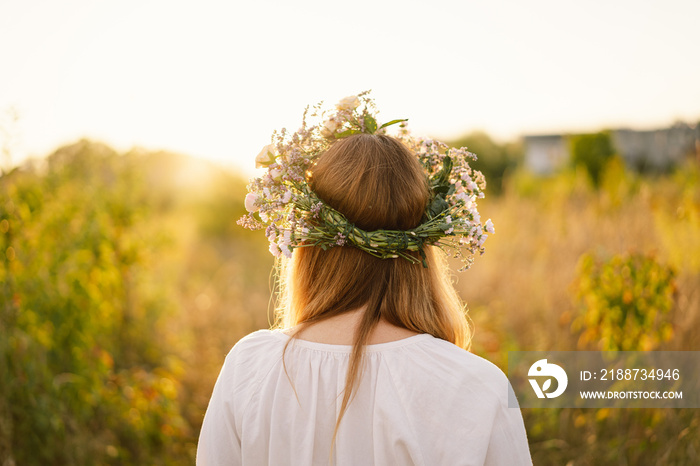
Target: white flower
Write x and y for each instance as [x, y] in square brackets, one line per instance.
[266, 156]
[275, 250]
[276, 174]
[286, 239]
[272, 237]
[286, 197]
[471, 203]
[250, 202]
[489, 226]
[283, 244]
[462, 196]
[287, 251]
[329, 127]
[423, 147]
[348, 103]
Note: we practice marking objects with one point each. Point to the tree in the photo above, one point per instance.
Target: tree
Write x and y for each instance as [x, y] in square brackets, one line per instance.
[493, 159]
[592, 151]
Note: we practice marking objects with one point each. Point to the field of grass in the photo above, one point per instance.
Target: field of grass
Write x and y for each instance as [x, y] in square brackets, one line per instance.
[529, 290]
[124, 280]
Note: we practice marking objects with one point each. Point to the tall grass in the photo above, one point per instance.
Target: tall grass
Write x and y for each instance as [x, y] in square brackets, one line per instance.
[525, 294]
[124, 281]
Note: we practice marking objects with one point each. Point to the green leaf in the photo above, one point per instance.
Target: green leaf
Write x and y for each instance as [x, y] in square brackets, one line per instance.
[438, 205]
[443, 176]
[370, 124]
[441, 189]
[392, 122]
[346, 133]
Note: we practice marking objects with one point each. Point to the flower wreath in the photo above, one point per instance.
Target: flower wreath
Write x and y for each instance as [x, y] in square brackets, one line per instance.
[282, 202]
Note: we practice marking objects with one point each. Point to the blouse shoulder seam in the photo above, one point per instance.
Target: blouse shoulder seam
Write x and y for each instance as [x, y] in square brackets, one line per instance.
[262, 377]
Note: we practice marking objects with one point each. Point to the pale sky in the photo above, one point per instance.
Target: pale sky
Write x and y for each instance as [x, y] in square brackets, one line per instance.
[214, 78]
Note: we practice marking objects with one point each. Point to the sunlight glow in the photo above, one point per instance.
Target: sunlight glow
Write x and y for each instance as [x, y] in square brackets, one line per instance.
[214, 78]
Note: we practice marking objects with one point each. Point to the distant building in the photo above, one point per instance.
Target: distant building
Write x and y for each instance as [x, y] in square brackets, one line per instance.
[545, 154]
[645, 150]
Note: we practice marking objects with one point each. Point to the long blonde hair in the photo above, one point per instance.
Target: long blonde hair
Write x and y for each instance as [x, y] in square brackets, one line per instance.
[377, 184]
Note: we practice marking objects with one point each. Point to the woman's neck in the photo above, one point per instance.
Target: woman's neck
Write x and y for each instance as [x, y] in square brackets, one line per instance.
[340, 330]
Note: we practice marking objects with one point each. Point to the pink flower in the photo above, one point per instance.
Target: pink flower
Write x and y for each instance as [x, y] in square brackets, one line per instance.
[276, 174]
[251, 200]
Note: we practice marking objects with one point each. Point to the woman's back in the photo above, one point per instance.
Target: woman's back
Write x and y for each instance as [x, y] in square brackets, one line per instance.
[421, 400]
[361, 221]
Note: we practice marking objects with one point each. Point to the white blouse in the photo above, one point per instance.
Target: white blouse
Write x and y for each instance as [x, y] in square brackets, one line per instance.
[421, 401]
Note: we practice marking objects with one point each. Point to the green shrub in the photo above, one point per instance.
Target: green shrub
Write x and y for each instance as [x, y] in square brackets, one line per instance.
[624, 303]
[85, 378]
